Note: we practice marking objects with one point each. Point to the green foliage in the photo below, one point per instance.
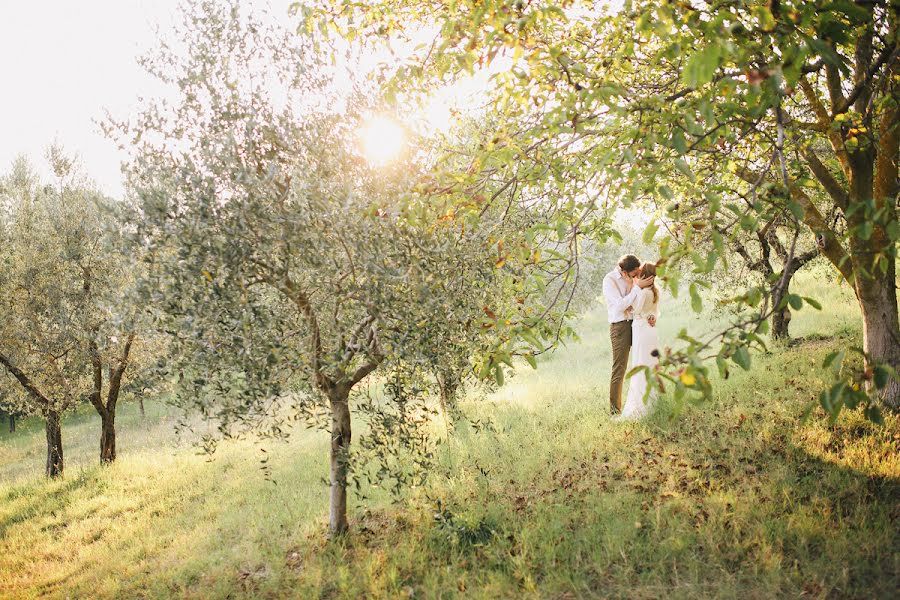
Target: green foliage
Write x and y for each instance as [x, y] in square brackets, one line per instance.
[65, 289]
[397, 450]
[462, 535]
[716, 110]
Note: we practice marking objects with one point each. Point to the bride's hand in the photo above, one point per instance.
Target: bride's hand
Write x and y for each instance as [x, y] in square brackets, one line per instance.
[652, 320]
[644, 283]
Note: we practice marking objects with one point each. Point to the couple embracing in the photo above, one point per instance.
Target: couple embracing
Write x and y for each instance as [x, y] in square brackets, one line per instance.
[632, 301]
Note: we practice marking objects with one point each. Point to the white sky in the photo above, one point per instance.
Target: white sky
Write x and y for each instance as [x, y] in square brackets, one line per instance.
[63, 63]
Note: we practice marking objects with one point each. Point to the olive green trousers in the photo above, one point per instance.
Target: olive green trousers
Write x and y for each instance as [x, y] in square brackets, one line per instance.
[620, 336]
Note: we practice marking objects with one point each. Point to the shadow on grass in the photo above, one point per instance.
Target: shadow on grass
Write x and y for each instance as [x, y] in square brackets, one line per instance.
[735, 497]
[44, 497]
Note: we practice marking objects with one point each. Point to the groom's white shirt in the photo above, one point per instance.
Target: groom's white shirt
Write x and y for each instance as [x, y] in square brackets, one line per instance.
[618, 298]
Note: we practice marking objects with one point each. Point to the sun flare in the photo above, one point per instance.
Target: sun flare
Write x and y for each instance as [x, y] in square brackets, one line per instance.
[382, 139]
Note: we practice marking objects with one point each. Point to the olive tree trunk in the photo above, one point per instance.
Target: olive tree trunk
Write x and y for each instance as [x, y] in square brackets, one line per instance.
[54, 444]
[108, 437]
[340, 446]
[107, 411]
[12, 423]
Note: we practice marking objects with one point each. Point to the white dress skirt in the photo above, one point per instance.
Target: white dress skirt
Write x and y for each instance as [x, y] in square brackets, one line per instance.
[644, 341]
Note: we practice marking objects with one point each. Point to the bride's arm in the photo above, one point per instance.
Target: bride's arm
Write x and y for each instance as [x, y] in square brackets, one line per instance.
[641, 301]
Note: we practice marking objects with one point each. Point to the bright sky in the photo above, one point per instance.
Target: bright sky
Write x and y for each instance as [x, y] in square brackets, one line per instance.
[66, 63]
[63, 64]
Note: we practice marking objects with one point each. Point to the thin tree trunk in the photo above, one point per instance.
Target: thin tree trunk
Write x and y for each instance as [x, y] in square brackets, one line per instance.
[141, 403]
[108, 437]
[781, 318]
[54, 444]
[12, 423]
[448, 383]
[107, 412]
[881, 330]
[340, 446]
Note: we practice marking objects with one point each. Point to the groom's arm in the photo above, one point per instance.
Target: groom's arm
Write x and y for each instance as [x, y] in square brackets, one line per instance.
[614, 298]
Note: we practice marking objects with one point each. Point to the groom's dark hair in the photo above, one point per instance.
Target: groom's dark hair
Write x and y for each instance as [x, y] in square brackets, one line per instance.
[629, 262]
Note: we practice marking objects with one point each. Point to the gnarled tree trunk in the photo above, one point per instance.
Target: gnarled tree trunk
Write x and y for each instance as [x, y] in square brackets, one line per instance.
[108, 437]
[781, 317]
[54, 444]
[881, 330]
[781, 321]
[107, 411]
[340, 447]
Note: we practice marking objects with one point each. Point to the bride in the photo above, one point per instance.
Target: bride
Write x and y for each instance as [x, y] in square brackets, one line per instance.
[644, 343]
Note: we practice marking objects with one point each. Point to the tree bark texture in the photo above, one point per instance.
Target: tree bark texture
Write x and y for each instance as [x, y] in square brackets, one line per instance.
[340, 447]
[54, 444]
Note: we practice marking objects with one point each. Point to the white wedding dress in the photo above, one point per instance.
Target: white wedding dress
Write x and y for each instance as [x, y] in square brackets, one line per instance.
[644, 341]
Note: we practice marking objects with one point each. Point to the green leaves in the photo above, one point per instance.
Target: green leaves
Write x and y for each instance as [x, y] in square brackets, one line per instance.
[834, 360]
[764, 17]
[666, 192]
[498, 375]
[650, 232]
[742, 357]
[702, 65]
[696, 300]
[812, 302]
[850, 382]
[679, 143]
[882, 374]
[685, 169]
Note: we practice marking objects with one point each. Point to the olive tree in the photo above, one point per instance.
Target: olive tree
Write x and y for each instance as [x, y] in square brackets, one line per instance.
[64, 300]
[8, 413]
[286, 270]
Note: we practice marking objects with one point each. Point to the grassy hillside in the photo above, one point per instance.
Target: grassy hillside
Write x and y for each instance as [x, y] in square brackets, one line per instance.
[730, 498]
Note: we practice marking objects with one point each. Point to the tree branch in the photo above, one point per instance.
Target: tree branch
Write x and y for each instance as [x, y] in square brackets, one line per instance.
[25, 381]
[315, 337]
[115, 380]
[831, 185]
[829, 244]
[837, 144]
[888, 53]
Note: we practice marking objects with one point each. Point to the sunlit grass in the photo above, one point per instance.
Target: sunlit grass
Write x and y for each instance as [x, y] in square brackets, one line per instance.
[731, 498]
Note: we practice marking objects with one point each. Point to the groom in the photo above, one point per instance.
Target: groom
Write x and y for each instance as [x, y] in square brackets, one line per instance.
[620, 289]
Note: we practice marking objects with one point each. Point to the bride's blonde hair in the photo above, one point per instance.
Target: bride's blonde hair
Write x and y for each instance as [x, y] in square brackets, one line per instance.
[648, 269]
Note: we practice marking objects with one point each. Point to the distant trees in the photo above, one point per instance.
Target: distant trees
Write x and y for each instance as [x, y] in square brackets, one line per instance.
[64, 293]
[7, 413]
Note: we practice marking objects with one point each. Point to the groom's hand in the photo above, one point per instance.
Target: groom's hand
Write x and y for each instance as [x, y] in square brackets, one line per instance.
[644, 283]
[652, 320]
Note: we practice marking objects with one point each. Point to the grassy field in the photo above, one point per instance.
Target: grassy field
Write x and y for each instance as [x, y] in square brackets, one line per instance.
[731, 498]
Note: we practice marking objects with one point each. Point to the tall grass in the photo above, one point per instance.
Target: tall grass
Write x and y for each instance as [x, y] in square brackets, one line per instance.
[730, 498]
